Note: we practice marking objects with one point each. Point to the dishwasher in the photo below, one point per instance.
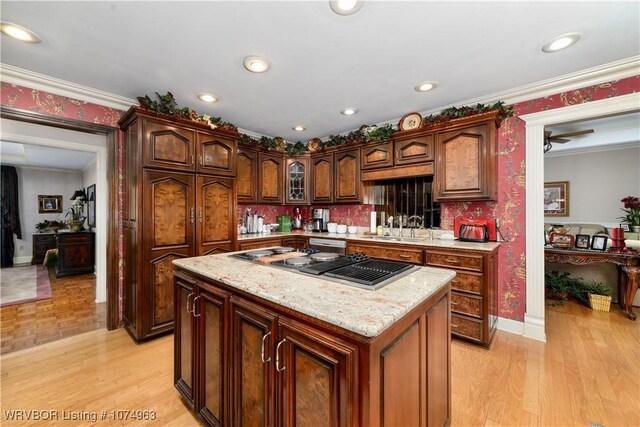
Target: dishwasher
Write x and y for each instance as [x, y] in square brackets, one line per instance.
[329, 245]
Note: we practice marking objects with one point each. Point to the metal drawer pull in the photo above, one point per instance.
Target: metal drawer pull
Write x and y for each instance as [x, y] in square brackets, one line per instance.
[454, 281]
[454, 326]
[262, 350]
[403, 256]
[452, 261]
[454, 303]
[200, 215]
[188, 298]
[194, 306]
[278, 356]
[191, 215]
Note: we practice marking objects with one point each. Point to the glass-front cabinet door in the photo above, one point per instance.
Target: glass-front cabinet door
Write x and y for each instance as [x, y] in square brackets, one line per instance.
[297, 181]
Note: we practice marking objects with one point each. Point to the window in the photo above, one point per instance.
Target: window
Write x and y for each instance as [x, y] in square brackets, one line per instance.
[410, 197]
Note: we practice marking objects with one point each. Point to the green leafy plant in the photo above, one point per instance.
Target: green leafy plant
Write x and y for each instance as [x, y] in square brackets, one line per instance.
[559, 285]
[631, 210]
[591, 287]
[504, 111]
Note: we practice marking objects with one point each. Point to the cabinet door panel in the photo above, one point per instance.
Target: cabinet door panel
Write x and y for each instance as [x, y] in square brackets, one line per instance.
[438, 364]
[168, 147]
[377, 156]
[211, 311]
[247, 176]
[297, 181]
[183, 371]
[322, 179]
[414, 150]
[215, 212]
[347, 177]
[253, 396]
[216, 155]
[318, 383]
[270, 177]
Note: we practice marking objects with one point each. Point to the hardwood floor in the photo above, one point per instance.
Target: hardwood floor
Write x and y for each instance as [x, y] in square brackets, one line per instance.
[71, 311]
[587, 372]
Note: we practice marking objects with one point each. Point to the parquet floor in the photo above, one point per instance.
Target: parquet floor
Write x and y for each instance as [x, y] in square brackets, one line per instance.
[71, 311]
[588, 371]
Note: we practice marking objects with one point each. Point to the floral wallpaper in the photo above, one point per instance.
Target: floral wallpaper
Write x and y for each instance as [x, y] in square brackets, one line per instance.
[42, 102]
[510, 206]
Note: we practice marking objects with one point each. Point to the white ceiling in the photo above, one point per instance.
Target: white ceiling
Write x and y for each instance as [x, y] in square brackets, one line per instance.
[321, 62]
[16, 154]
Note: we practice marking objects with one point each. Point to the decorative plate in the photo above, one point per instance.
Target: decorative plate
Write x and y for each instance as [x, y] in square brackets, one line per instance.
[314, 144]
[411, 121]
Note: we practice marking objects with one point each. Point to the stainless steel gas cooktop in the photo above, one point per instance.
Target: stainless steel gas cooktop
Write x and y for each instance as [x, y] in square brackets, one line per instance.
[353, 269]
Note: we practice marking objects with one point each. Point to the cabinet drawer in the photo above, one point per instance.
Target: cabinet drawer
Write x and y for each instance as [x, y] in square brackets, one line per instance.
[259, 244]
[466, 327]
[455, 260]
[75, 238]
[466, 304]
[468, 282]
[411, 255]
[45, 238]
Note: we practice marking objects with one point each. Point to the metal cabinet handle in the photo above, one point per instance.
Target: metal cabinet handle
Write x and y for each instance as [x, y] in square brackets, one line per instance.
[192, 215]
[278, 356]
[262, 350]
[192, 159]
[452, 261]
[455, 282]
[194, 306]
[188, 298]
[200, 215]
[404, 256]
[201, 160]
[454, 325]
[454, 303]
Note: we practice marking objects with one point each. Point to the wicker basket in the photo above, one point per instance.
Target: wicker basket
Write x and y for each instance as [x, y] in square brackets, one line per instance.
[600, 302]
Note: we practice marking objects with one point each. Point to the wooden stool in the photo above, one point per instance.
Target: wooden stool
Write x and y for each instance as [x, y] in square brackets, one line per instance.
[629, 289]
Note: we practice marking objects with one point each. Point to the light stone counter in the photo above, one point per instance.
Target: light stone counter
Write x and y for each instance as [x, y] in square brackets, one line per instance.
[362, 311]
[435, 243]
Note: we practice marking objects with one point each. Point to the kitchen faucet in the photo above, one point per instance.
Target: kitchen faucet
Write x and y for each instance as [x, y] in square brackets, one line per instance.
[390, 221]
[414, 218]
[400, 222]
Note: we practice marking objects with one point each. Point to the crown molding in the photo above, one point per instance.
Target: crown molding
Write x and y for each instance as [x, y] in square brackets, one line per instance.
[33, 80]
[597, 149]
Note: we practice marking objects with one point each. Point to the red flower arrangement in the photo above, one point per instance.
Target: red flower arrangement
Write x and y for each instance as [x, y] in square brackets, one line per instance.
[631, 210]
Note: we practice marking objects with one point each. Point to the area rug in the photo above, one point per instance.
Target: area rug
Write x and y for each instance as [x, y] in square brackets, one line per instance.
[19, 285]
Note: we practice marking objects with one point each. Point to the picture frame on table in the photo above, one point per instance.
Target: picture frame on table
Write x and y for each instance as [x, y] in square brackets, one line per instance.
[91, 205]
[556, 198]
[599, 242]
[582, 241]
[625, 227]
[49, 204]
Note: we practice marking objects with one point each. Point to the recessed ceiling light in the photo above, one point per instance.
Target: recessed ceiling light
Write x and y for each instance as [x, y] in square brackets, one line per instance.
[426, 86]
[256, 64]
[18, 32]
[561, 42]
[345, 7]
[298, 128]
[349, 111]
[207, 97]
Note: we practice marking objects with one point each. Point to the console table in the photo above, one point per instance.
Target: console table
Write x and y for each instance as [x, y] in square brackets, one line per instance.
[627, 284]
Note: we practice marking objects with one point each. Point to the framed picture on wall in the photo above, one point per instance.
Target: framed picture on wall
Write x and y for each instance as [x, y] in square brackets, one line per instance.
[556, 198]
[49, 204]
[91, 205]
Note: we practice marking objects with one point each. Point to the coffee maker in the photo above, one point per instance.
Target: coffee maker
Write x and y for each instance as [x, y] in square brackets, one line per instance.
[320, 219]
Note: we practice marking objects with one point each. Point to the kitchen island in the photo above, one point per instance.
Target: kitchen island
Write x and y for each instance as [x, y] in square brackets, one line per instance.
[256, 345]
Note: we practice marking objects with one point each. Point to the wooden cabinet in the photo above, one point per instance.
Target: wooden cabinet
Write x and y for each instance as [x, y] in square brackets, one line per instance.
[403, 253]
[179, 201]
[474, 301]
[413, 149]
[335, 178]
[244, 245]
[41, 243]
[403, 157]
[272, 366]
[378, 155]
[76, 253]
[270, 177]
[295, 242]
[216, 154]
[201, 349]
[247, 175]
[466, 164]
[297, 180]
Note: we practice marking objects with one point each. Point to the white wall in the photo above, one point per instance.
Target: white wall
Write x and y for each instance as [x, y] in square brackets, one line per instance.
[597, 182]
[34, 182]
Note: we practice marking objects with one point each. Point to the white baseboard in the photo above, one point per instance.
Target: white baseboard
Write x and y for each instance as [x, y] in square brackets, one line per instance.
[509, 325]
[22, 260]
[534, 327]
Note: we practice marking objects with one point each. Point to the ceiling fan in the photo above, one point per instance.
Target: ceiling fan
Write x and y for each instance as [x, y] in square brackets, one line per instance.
[548, 138]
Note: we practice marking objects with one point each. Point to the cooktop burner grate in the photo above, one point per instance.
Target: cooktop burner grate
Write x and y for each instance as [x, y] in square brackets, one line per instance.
[298, 262]
[324, 256]
[323, 267]
[370, 272]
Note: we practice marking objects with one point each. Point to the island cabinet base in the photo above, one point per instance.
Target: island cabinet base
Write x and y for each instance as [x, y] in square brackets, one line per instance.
[244, 361]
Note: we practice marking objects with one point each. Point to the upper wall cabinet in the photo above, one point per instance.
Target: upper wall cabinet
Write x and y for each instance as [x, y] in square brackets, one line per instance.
[403, 157]
[335, 178]
[216, 155]
[322, 179]
[167, 146]
[411, 150]
[297, 180]
[270, 177]
[466, 161]
[247, 175]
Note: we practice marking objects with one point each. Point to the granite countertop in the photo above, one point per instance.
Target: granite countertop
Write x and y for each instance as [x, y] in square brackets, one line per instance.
[365, 312]
[435, 243]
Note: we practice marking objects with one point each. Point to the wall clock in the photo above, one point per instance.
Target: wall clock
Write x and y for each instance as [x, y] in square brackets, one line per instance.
[410, 121]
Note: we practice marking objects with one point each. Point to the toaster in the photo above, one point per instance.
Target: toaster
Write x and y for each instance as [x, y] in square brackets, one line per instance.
[472, 233]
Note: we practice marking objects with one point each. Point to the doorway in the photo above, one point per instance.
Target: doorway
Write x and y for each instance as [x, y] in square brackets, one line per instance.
[534, 318]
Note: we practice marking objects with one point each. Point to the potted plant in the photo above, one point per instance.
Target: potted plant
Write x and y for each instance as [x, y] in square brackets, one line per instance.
[76, 211]
[558, 286]
[632, 213]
